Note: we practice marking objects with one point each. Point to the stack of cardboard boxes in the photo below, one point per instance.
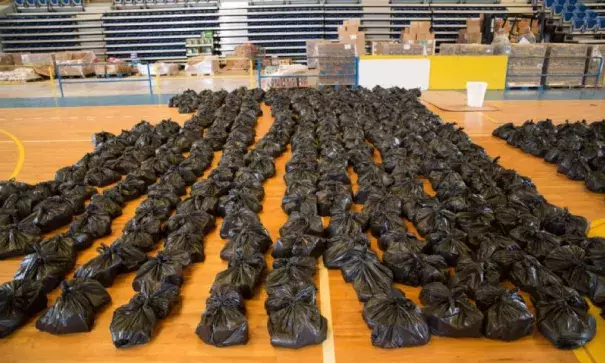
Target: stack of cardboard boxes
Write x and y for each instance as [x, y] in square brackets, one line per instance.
[419, 33]
[336, 63]
[348, 33]
[472, 33]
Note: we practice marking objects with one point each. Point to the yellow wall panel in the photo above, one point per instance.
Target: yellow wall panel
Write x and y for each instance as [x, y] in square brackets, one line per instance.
[453, 71]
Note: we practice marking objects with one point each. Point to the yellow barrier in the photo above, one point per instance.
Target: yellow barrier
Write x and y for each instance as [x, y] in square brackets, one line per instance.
[450, 72]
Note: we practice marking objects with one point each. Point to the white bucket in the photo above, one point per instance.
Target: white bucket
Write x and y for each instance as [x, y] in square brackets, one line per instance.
[475, 93]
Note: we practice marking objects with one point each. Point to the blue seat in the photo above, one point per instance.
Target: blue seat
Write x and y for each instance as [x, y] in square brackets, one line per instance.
[568, 16]
[558, 9]
[601, 23]
[571, 2]
[549, 4]
[579, 15]
[578, 24]
[18, 3]
[30, 3]
[65, 2]
[590, 14]
[569, 8]
[591, 24]
[581, 7]
[42, 3]
[77, 2]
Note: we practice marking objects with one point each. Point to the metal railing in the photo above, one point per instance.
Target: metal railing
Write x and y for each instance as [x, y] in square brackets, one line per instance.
[543, 78]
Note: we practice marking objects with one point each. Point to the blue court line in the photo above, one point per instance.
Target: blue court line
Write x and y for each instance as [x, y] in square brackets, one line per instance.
[547, 95]
[114, 100]
[162, 99]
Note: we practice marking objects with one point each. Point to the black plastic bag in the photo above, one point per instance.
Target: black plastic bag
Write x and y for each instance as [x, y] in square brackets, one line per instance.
[294, 320]
[534, 241]
[94, 225]
[299, 202]
[395, 321]
[450, 245]
[506, 314]
[400, 237]
[19, 301]
[196, 222]
[237, 199]
[368, 275]
[53, 213]
[249, 241]
[413, 268]
[45, 265]
[347, 223]
[384, 221]
[595, 181]
[101, 176]
[298, 244]
[159, 208]
[190, 242]
[197, 203]
[450, 313]
[433, 218]
[103, 268]
[575, 266]
[14, 242]
[165, 267]
[236, 221]
[74, 311]
[563, 318]
[472, 274]
[302, 223]
[73, 174]
[224, 321]
[243, 273]
[131, 187]
[525, 271]
[145, 223]
[142, 241]
[133, 324]
[333, 197]
[101, 204]
[338, 248]
[294, 271]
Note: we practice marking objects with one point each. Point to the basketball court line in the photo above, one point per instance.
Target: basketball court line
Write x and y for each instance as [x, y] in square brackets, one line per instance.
[327, 346]
[21, 153]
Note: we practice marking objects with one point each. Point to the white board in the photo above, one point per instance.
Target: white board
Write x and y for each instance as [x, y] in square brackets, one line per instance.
[408, 73]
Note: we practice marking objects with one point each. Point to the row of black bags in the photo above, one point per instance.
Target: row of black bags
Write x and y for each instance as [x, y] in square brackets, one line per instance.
[294, 319]
[159, 279]
[53, 258]
[224, 322]
[578, 148]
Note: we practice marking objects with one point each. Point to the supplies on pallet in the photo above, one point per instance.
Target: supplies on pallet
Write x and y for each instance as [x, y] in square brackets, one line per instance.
[6, 59]
[19, 75]
[565, 60]
[75, 63]
[418, 35]
[42, 63]
[286, 82]
[472, 34]
[377, 47]
[336, 59]
[349, 33]
[466, 49]
[312, 51]
[161, 68]
[202, 65]
[246, 50]
[594, 65]
[114, 66]
[406, 48]
[501, 43]
[525, 65]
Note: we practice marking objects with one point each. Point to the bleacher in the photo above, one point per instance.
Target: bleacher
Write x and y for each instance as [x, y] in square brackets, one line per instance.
[584, 22]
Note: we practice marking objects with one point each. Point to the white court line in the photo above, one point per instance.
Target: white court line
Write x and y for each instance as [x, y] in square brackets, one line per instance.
[327, 347]
[46, 141]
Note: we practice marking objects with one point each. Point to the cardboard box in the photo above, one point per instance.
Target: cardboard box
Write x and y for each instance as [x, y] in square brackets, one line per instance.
[79, 64]
[41, 62]
[464, 37]
[336, 59]
[473, 25]
[566, 59]
[312, 52]
[6, 59]
[448, 49]
[377, 46]
[358, 39]
[525, 65]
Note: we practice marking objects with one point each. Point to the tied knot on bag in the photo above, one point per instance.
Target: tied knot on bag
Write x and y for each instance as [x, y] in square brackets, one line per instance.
[404, 303]
[103, 249]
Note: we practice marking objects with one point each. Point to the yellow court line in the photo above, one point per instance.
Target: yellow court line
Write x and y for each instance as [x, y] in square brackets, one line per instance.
[490, 119]
[327, 347]
[20, 158]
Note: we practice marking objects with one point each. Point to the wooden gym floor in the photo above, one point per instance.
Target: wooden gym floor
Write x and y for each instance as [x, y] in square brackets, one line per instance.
[34, 142]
